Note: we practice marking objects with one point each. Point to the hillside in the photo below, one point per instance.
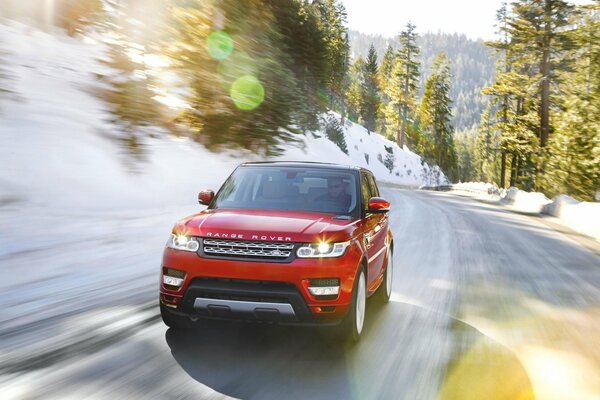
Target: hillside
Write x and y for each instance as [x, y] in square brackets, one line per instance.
[472, 68]
[59, 149]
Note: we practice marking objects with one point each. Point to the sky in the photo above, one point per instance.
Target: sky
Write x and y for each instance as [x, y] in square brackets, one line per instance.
[474, 18]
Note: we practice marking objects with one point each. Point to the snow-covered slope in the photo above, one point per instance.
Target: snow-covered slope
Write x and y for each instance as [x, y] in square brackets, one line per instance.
[58, 148]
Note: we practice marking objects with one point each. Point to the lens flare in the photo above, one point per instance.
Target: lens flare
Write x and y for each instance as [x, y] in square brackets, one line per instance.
[247, 92]
[237, 64]
[219, 45]
[324, 247]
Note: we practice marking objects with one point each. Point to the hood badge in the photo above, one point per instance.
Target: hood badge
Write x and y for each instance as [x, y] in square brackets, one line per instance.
[248, 237]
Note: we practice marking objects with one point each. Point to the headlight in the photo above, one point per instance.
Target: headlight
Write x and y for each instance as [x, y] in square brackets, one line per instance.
[322, 250]
[183, 242]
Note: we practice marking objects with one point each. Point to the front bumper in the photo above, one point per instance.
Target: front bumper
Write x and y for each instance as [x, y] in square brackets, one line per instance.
[259, 291]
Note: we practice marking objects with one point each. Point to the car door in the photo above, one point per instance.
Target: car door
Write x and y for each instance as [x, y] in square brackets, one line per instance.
[379, 236]
[371, 231]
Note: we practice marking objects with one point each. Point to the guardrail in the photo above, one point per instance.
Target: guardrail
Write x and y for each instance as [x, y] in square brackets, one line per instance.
[461, 188]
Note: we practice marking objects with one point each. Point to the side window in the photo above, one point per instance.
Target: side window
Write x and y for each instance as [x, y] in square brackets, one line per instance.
[373, 185]
[365, 189]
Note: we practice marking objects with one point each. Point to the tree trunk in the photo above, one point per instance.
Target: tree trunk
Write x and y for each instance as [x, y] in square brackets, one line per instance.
[514, 165]
[503, 170]
[403, 130]
[405, 113]
[545, 71]
[399, 130]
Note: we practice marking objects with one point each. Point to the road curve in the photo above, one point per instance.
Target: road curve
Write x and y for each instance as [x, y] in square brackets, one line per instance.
[486, 304]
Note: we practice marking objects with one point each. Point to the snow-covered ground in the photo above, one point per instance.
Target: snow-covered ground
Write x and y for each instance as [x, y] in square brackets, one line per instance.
[80, 229]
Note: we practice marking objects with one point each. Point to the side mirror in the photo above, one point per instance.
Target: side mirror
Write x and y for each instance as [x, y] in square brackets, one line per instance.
[378, 205]
[205, 197]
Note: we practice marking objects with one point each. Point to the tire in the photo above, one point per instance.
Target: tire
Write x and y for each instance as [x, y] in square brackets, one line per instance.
[353, 324]
[172, 320]
[385, 289]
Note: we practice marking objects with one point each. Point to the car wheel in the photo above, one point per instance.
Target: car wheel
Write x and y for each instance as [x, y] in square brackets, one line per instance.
[385, 289]
[352, 326]
[173, 320]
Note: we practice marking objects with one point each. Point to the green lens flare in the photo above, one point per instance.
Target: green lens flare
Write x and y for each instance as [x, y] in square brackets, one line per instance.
[219, 45]
[236, 65]
[247, 92]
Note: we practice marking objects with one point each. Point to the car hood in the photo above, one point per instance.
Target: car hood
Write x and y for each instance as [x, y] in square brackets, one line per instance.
[268, 225]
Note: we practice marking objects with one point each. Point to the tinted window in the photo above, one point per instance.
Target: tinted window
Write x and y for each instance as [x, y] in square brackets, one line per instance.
[310, 189]
[365, 190]
[373, 186]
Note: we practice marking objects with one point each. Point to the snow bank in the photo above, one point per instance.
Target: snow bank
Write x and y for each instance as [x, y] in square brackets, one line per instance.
[481, 186]
[583, 217]
[526, 202]
[482, 190]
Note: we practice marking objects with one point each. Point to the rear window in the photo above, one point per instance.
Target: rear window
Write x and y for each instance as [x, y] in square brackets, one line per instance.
[309, 189]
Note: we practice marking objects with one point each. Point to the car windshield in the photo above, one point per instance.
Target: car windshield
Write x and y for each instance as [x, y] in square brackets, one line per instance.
[309, 189]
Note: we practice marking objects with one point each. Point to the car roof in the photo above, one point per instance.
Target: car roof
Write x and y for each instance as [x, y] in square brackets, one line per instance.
[304, 164]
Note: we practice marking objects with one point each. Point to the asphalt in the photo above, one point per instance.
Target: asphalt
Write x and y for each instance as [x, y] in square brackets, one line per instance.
[486, 304]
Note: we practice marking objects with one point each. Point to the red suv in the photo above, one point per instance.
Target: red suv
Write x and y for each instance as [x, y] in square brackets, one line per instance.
[287, 242]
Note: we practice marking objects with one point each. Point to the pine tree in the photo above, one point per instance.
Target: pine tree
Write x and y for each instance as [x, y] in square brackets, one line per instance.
[518, 90]
[356, 91]
[332, 23]
[304, 42]
[408, 54]
[130, 94]
[573, 158]
[371, 100]
[538, 38]
[395, 97]
[503, 66]
[486, 148]
[435, 114]
[464, 145]
[242, 93]
[384, 77]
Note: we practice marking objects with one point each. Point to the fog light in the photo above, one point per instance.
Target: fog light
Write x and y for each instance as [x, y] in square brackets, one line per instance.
[169, 301]
[172, 281]
[324, 290]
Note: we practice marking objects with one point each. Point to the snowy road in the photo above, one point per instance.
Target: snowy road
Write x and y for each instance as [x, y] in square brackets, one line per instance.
[486, 304]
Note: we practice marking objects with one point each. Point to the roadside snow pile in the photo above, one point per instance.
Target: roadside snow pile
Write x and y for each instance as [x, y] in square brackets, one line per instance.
[526, 202]
[59, 148]
[583, 217]
[484, 191]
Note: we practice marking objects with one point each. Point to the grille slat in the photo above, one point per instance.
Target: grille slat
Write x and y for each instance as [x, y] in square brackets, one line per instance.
[250, 250]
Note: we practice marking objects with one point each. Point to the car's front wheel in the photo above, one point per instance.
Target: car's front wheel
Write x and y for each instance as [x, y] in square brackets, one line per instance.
[352, 326]
[385, 289]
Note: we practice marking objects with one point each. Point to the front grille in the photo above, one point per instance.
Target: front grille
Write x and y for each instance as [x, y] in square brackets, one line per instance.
[238, 249]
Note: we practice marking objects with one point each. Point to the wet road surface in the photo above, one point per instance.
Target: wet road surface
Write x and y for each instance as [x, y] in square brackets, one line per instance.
[486, 304]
